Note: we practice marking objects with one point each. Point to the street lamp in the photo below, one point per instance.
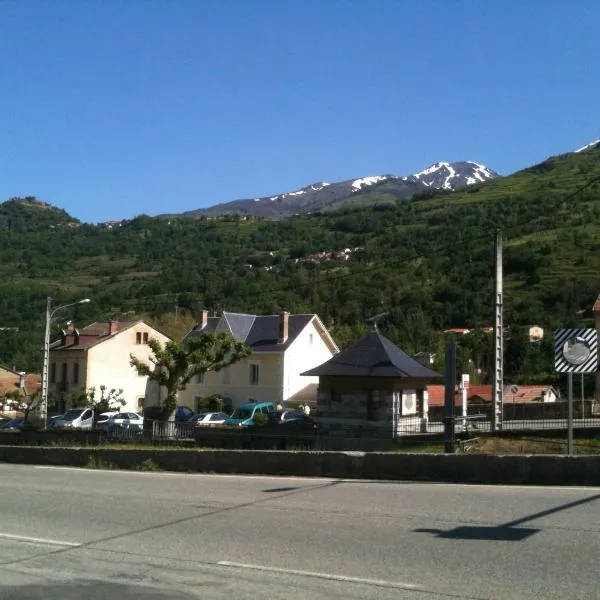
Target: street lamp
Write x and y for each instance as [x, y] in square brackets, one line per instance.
[50, 312]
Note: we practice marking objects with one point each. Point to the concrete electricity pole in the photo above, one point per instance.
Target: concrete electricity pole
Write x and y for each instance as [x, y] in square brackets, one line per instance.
[498, 385]
[50, 312]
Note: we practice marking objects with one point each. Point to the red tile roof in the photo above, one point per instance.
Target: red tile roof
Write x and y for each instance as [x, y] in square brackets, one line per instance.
[90, 335]
[436, 394]
[596, 308]
[10, 382]
[526, 394]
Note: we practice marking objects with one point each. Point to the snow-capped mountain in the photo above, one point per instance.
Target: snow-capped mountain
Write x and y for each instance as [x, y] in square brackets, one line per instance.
[450, 176]
[589, 146]
[326, 196]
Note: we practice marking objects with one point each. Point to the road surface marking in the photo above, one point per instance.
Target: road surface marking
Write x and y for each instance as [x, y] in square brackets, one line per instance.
[317, 575]
[36, 540]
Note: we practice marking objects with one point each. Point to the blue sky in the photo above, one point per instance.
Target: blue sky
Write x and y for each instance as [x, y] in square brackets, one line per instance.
[116, 108]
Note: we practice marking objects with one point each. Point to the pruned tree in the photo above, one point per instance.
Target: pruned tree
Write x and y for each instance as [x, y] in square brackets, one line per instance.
[174, 364]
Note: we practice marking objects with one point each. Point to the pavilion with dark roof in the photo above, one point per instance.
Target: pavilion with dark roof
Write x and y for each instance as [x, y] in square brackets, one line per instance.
[372, 389]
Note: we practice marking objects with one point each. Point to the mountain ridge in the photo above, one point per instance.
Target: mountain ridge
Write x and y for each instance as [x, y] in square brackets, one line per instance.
[324, 195]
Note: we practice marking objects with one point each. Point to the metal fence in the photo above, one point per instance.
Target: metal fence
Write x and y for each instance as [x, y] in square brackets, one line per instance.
[172, 431]
[516, 417]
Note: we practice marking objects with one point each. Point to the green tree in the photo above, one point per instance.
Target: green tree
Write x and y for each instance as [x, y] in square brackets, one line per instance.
[174, 364]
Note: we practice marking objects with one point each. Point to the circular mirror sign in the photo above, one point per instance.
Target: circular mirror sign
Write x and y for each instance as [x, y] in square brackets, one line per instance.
[576, 350]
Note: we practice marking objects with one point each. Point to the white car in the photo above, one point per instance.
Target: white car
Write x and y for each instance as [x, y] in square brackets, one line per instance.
[208, 419]
[124, 419]
[76, 418]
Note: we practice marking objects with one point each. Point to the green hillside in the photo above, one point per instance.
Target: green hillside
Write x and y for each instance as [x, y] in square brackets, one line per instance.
[427, 261]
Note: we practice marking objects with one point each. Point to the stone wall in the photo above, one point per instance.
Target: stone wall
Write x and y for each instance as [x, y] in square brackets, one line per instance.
[462, 468]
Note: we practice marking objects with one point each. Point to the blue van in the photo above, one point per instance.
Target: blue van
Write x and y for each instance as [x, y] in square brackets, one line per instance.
[244, 415]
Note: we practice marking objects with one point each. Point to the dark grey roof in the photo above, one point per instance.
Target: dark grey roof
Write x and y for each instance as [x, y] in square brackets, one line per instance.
[261, 333]
[373, 356]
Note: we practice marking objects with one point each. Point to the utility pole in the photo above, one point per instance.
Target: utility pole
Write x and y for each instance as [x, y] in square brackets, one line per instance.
[44, 399]
[450, 387]
[498, 385]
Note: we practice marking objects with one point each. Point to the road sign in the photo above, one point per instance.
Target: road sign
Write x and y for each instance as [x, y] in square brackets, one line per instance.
[514, 390]
[576, 351]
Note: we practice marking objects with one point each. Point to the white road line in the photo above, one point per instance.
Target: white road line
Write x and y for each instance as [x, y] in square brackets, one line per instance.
[317, 575]
[36, 540]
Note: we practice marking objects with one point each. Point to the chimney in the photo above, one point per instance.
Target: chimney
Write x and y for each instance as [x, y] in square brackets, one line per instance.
[76, 337]
[22, 380]
[284, 322]
[70, 327]
[113, 327]
[596, 311]
[203, 319]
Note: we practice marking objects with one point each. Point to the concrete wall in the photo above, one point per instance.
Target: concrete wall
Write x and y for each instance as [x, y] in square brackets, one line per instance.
[487, 469]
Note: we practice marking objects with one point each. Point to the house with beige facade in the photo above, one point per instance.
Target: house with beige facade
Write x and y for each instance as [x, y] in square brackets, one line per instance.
[98, 354]
[283, 346]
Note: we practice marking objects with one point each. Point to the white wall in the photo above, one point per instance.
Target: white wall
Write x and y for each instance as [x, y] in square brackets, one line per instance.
[301, 356]
[108, 363]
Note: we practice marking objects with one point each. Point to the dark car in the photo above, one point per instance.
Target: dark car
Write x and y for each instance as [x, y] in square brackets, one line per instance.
[294, 419]
[14, 423]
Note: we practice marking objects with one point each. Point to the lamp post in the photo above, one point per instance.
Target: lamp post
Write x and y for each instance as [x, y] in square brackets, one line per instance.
[50, 312]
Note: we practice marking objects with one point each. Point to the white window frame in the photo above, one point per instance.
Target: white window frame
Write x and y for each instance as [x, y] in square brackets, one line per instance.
[405, 394]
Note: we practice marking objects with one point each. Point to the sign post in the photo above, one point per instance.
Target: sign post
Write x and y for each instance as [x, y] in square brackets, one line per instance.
[575, 351]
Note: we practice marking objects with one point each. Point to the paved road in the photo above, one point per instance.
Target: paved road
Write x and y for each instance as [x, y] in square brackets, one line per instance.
[70, 534]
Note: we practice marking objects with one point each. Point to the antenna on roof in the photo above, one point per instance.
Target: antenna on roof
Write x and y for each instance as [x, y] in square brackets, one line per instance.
[376, 318]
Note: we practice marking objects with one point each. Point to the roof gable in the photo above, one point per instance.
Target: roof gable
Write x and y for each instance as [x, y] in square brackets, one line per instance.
[373, 356]
[94, 334]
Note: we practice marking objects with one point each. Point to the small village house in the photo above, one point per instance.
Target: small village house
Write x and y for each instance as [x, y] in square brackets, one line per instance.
[372, 389]
[97, 355]
[283, 346]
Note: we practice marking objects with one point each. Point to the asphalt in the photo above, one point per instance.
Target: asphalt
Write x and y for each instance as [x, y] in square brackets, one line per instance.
[88, 534]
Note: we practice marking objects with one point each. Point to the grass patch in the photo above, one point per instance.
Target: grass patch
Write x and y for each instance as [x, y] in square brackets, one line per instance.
[149, 465]
[530, 445]
[95, 462]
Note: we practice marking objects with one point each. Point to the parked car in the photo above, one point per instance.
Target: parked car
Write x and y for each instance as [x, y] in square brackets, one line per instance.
[76, 418]
[293, 419]
[103, 418]
[208, 419]
[52, 421]
[125, 419]
[14, 423]
[244, 415]
[183, 413]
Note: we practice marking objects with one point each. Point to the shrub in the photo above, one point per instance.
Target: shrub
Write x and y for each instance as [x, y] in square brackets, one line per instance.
[149, 465]
[260, 420]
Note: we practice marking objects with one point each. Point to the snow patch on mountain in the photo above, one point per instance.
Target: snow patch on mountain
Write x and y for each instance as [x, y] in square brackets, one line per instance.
[588, 146]
[358, 184]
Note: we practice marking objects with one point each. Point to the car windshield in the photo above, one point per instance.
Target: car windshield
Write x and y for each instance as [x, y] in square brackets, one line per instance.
[242, 413]
[70, 415]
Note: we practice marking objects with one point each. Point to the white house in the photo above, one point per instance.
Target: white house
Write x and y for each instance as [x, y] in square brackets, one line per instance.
[98, 354]
[283, 346]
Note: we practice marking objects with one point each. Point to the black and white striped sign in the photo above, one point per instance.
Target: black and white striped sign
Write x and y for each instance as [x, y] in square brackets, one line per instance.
[575, 350]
